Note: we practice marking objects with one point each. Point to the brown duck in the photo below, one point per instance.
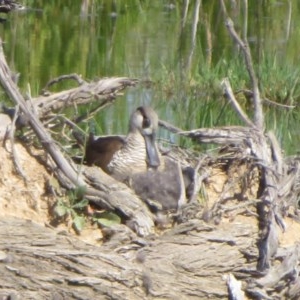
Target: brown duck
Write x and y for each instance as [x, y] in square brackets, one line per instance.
[121, 157]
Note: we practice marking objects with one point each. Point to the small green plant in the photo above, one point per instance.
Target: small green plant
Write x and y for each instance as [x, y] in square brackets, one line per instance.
[106, 218]
[74, 207]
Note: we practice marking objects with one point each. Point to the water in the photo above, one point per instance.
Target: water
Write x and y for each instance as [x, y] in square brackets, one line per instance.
[147, 40]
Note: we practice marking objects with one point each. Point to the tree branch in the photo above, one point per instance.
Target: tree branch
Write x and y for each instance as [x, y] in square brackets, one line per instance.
[258, 109]
[228, 90]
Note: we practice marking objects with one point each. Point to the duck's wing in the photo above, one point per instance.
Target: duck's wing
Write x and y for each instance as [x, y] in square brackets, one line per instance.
[100, 151]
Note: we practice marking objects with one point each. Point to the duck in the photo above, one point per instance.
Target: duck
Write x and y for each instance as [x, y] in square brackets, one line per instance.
[136, 160]
[121, 157]
[167, 189]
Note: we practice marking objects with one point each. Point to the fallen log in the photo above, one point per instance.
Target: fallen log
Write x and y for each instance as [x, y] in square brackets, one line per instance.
[104, 91]
[188, 262]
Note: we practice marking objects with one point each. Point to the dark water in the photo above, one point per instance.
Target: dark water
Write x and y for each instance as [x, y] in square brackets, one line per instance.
[152, 40]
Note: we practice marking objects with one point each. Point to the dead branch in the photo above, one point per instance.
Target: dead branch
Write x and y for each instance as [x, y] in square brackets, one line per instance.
[74, 77]
[287, 267]
[120, 197]
[269, 156]
[249, 93]
[222, 135]
[193, 38]
[258, 109]
[34, 122]
[103, 90]
[169, 126]
[13, 150]
[228, 91]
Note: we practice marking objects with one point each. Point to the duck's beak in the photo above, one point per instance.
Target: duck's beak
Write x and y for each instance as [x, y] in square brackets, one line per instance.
[153, 160]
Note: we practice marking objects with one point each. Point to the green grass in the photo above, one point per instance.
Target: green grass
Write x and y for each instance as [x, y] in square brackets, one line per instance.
[198, 101]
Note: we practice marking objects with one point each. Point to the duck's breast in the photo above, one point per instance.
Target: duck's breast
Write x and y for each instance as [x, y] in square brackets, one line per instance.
[130, 159]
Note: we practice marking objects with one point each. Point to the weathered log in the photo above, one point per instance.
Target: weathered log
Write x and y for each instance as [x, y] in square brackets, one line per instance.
[121, 198]
[103, 90]
[187, 262]
[190, 261]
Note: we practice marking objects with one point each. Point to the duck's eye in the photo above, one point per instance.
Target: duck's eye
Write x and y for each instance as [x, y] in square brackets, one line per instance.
[146, 122]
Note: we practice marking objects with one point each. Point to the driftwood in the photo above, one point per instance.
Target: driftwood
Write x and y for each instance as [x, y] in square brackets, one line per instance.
[266, 151]
[188, 262]
[103, 91]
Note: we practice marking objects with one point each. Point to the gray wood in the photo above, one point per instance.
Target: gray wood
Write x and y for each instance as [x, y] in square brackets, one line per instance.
[187, 262]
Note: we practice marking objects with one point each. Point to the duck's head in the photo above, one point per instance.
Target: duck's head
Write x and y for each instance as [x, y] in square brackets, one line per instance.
[144, 121]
